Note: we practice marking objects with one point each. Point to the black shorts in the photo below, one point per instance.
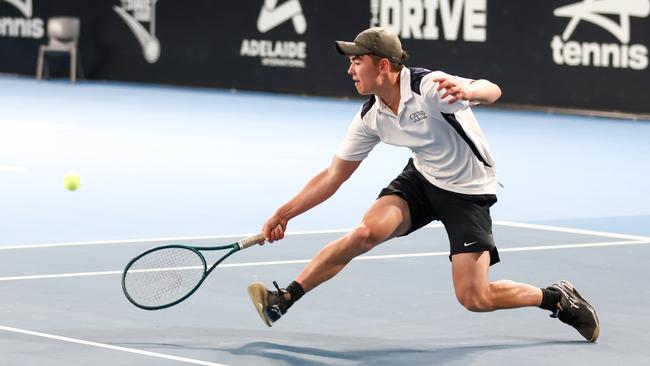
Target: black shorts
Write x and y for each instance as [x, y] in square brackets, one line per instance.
[466, 217]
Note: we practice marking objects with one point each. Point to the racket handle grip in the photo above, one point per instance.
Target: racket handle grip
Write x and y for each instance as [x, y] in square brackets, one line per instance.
[251, 240]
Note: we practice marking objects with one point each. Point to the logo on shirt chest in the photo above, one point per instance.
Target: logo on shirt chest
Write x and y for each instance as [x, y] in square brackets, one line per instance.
[417, 116]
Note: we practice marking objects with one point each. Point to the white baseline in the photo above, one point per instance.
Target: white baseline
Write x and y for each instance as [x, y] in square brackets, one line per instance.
[108, 346]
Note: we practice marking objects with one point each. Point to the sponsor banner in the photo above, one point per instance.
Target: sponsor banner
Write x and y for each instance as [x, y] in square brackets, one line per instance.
[280, 53]
[21, 24]
[590, 54]
[140, 17]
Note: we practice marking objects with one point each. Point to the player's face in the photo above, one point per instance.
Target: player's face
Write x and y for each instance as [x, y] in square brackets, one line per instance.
[364, 73]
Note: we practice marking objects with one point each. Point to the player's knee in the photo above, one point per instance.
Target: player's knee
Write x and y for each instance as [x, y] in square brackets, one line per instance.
[362, 238]
[475, 301]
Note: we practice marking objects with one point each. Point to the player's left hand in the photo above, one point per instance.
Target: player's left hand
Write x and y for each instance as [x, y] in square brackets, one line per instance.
[457, 91]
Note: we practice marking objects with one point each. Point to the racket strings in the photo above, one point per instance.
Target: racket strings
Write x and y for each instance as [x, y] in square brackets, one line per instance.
[163, 276]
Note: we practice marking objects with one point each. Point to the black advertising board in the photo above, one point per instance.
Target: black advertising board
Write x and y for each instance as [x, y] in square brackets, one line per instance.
[589, 54]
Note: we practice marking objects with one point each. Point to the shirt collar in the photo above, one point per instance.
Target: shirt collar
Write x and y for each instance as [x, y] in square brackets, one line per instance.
[405, 91]
[405, 85]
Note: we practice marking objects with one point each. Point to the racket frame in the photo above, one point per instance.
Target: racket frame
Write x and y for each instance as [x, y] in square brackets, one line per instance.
[234, 247]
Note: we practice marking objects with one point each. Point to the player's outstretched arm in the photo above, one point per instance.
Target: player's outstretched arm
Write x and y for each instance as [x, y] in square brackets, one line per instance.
[318, 189]
[484, 91]
[477, 91]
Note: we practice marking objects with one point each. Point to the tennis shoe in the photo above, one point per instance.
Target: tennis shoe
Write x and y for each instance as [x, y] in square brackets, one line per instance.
[574, 310]
[270, 305]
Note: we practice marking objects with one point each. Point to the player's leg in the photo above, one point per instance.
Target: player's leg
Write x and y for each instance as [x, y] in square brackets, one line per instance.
[476, 293]
[469, 226]
[401, 208]
[388, 217]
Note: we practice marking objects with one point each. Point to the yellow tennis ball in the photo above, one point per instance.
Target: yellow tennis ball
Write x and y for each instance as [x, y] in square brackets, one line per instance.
[71, 181]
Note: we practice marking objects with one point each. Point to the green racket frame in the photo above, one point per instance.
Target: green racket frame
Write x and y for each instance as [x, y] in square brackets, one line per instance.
[234, 247]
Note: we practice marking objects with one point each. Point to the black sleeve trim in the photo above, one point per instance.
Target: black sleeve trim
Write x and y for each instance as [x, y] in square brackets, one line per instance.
[451, 119]
[417, 73]
[367, 105]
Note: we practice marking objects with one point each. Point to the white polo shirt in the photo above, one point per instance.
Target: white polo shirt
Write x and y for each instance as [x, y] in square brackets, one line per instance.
[448, 146]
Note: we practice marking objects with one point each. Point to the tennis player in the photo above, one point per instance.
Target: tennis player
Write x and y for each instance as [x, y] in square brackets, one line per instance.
[450, 177]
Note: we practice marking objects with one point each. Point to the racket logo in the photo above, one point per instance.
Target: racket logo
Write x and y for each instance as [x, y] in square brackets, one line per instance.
[26, 27]
[600, 13]
[135, 12]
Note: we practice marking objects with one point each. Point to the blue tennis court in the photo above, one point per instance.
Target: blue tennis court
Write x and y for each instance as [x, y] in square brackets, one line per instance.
[168, 165]
[64, 305]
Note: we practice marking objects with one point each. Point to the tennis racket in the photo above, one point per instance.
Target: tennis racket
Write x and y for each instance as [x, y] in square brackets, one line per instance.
[164, 276]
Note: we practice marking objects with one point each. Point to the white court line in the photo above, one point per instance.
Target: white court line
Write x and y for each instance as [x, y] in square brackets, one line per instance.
[571, 230]
[334, 231]
[364, 257]
[12, 169]
[108, 346]
[573, 246]
[158, 240]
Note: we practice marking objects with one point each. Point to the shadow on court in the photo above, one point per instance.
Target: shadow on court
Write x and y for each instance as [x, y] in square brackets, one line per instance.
[367, 352]
[434, 355]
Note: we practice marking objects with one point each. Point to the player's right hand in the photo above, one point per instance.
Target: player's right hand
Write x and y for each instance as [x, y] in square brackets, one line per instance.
[274, 227]
[456, 90]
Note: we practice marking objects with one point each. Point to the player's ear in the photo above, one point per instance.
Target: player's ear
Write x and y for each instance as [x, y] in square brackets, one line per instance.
[384, 65]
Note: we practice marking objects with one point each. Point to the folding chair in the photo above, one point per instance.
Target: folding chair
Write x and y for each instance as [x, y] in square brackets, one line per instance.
[63, 35]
